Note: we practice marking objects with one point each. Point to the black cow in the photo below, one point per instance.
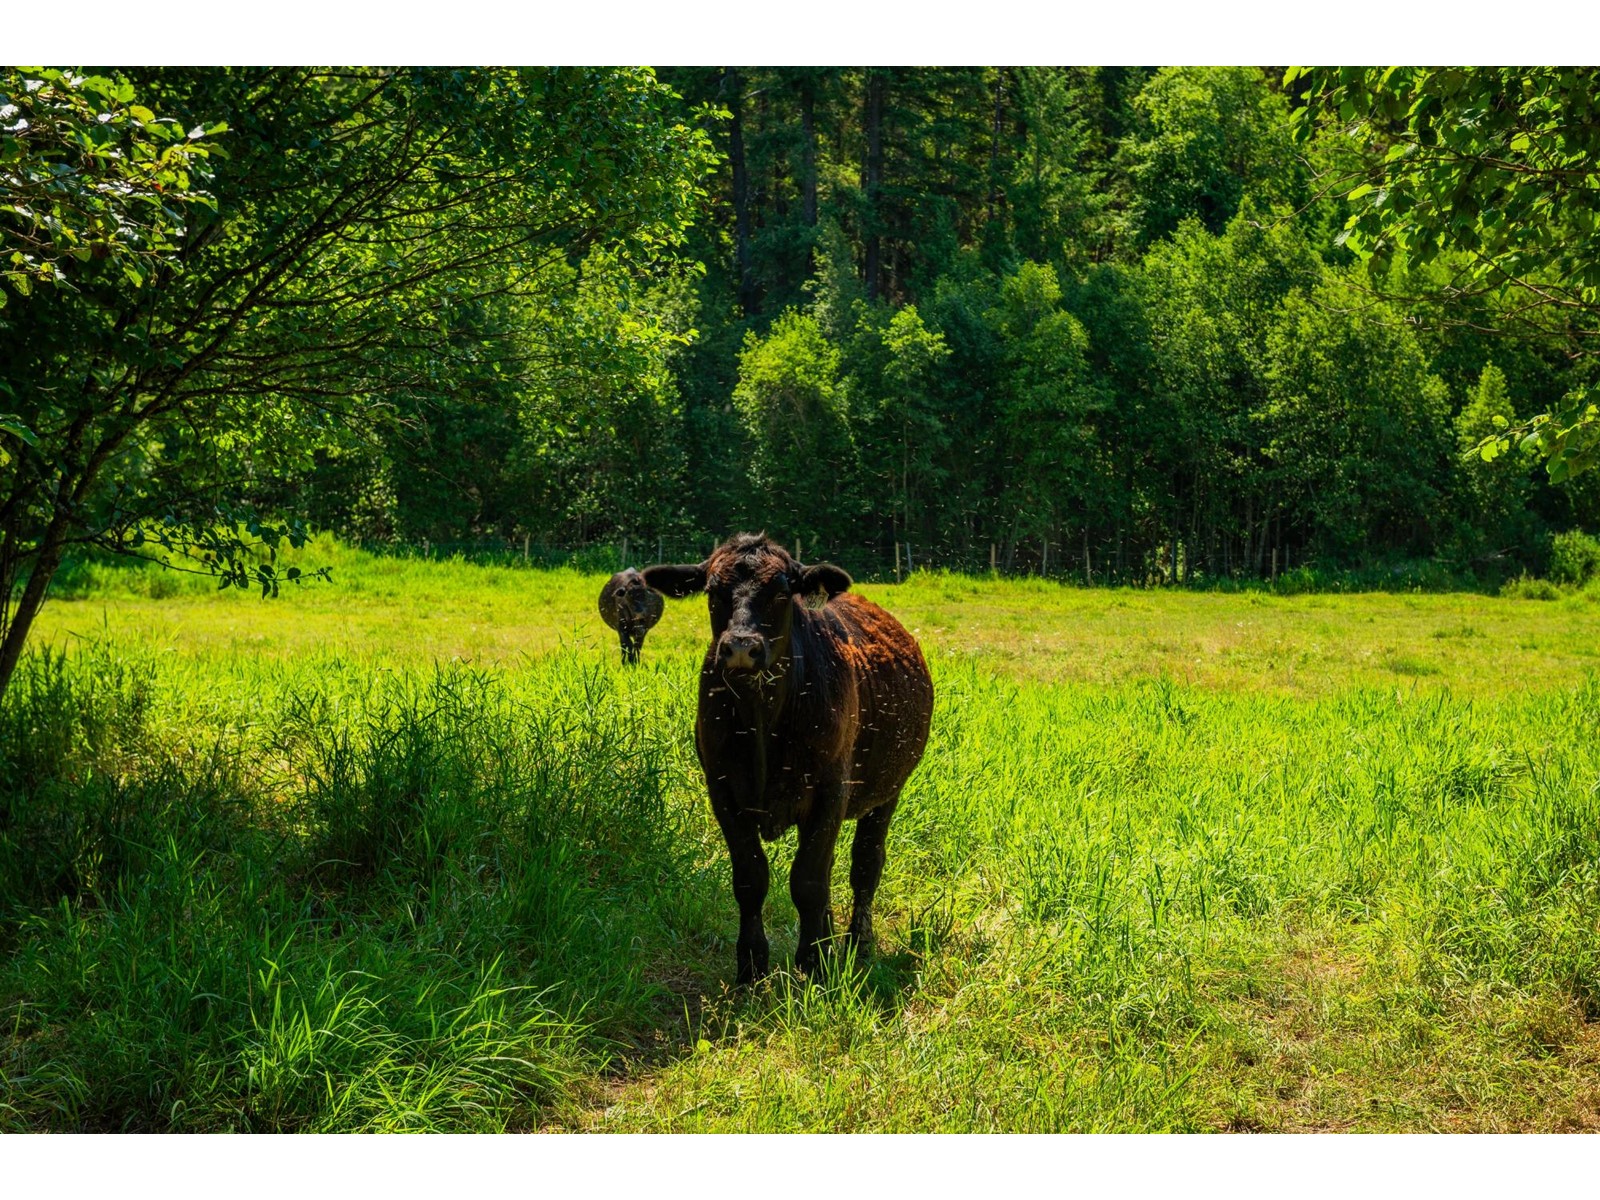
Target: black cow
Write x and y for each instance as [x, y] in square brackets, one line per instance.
[814, 709]
[629, 606]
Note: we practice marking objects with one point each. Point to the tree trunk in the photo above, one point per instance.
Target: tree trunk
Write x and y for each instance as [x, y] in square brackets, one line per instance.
[1196, 542]
[872, 176]
[51, 548]
[733, 87]
[808, 151]
[1175, 574]
[1249, 525]
[905, 471]
[994, 145]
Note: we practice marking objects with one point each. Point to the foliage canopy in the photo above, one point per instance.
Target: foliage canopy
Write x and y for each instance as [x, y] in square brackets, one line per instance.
[1499, 170]
[373, 239]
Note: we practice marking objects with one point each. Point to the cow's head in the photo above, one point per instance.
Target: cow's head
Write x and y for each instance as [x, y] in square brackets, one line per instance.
[751, 585]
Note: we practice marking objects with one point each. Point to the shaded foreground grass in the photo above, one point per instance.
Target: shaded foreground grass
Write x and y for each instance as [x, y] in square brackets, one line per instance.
[344, 888]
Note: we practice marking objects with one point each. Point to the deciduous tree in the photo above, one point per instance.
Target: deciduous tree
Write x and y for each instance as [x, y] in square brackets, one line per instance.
[1503, 165]
[359, 214]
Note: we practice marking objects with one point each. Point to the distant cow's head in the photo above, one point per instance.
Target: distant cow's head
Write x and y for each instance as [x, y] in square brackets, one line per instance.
[629, 606]
[751, 584]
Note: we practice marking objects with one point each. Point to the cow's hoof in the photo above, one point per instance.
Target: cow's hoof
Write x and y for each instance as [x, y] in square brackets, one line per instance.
[860, 941]
[752, 968]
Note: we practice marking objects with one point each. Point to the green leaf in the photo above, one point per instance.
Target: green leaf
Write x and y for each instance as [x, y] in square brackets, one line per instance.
[12, 424]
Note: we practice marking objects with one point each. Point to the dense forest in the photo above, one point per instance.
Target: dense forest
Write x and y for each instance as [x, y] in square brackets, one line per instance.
[1094, 316]
[1095, 322]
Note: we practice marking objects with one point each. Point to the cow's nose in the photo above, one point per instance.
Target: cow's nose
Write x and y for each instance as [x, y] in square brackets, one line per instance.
[742, 652]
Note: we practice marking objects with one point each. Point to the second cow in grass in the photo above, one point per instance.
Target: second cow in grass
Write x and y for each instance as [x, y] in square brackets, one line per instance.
[814, 709]
[631, 608]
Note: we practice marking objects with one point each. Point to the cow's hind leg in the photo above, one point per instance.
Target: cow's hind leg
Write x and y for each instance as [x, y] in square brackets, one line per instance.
[866, 868]
[809, 885]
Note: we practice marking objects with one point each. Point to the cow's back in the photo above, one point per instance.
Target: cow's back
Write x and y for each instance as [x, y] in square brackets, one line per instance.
[885, 686]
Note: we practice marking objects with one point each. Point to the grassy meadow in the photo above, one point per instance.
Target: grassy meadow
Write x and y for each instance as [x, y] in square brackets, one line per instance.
[414, 851]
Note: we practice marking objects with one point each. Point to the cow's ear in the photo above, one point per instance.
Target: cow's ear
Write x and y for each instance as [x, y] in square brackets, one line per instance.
[821, 579]
[677, 580]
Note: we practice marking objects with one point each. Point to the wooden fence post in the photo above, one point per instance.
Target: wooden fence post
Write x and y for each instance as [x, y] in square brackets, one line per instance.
[1088, 568]
[897, 562]
[993, 570]
[525, 539]
[624, 550]
[1044, 559]
[798, 552]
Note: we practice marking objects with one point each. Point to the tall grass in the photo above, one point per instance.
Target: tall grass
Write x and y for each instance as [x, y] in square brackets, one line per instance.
[400, 902]
[345, 890]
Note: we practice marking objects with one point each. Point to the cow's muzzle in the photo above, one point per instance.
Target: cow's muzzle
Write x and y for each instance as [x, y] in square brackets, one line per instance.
[742, 652]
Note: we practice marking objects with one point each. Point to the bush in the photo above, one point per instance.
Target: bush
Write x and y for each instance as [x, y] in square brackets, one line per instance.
[1574, 558]
[1525, 587]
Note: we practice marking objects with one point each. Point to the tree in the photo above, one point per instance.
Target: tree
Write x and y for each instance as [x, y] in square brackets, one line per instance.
[1046, 408]
[89, 176]
[1494, 498]
[601, 447]
[1355, 423]
[1206, 303]
[1206, 137]
[359, 214]
[794, 405]
[892, 360]
[1503, 165]
[1057, 192]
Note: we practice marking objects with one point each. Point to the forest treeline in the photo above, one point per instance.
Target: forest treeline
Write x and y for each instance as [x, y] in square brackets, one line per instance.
[1091, 315]
[1086, 320]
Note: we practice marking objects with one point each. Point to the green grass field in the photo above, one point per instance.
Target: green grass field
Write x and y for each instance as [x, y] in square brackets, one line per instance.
[415, 851]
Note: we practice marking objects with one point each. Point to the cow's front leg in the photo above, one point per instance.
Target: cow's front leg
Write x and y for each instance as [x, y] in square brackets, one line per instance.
[632, 642]
[748, 859]
[810, 878]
